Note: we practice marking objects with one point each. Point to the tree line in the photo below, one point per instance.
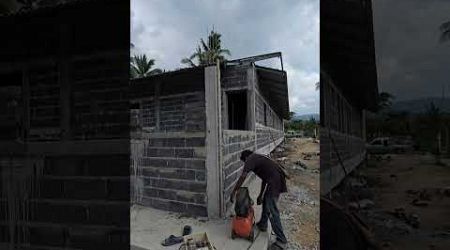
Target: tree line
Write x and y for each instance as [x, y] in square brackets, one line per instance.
[207, 52]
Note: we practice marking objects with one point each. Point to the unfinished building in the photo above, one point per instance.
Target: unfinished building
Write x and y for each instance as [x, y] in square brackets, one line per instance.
[190, 126]
[348, 87]
[64, 119]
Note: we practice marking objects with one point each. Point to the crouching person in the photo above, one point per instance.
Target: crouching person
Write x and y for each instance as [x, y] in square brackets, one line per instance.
[273, 178]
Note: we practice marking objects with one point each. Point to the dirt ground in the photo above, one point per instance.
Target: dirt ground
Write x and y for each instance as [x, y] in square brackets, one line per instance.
[405, 200]
[299, 207]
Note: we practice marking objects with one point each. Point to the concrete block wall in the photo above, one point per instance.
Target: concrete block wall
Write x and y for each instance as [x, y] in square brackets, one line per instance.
[270, 132]
[184, 112]
[65, 184]
[343, 125]
[351, 150]
[233, 143]
[44, 105]
[99, 98]
[272, 119]
[267, 135]
[169, 165]
[71, 202]
[72, 190]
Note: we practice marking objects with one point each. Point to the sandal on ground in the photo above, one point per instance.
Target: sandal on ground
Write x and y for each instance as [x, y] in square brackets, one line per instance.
[172, 240]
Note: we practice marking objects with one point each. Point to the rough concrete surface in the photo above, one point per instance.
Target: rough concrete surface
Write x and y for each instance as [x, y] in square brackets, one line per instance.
[299, 209]
[150, 226]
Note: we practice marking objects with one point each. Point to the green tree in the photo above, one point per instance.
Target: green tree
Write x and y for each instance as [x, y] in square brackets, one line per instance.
[207, 52]
[140, 66]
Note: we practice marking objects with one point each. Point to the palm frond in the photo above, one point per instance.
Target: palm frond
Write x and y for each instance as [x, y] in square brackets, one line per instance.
[188, 61]
[140, 66]
[225, 51]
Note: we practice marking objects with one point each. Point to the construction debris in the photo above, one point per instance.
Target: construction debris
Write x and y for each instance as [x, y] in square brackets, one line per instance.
[299, 208]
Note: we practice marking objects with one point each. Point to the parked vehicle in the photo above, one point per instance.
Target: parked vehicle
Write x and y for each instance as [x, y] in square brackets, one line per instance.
[388, 145]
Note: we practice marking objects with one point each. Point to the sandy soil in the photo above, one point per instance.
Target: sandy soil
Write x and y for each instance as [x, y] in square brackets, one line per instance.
[419, 190]
[300, 206]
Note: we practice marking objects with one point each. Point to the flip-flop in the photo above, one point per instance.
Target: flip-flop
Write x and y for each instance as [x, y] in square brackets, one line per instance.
[187, 230]
[172, 240]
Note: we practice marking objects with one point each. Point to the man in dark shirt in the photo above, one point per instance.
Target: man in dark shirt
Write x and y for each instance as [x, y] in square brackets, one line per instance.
[273, 183]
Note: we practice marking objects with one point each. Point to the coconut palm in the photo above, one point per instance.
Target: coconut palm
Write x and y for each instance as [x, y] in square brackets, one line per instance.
[445, 31]
[207, 52]
[141, 66]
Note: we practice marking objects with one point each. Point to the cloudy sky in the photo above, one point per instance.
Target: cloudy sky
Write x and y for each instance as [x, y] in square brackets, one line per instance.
[411, 61]
[170, 30]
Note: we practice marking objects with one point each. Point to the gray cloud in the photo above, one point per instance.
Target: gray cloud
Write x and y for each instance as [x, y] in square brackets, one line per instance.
[170, 30]
[410, 60]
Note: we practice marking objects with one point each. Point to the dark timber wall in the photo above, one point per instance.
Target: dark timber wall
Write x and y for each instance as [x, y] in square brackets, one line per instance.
[168, 152]
[65, 171]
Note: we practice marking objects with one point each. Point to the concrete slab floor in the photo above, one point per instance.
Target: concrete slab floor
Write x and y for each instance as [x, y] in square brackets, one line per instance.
[150, 226]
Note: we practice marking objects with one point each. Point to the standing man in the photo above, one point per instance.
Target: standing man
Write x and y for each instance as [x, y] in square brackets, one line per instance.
[273, 184]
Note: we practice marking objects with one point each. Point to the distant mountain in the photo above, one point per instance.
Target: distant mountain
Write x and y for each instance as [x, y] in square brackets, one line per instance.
[306, 117]
[418, 106]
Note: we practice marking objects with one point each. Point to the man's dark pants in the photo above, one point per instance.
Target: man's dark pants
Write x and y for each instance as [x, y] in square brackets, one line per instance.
[270, 211]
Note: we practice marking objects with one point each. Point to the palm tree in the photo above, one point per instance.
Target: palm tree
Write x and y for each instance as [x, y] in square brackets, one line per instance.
[142, 67]
[445, 31]
[207, 53]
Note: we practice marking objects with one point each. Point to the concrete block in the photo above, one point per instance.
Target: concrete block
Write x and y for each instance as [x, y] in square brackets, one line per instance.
[110, 165]
[51, 188]
[85, 189]
[200, 175]
[59, 213]
[109, 214]
[87, 238]
[119, 190]
[4, 234]
[47, 236]
[195, 164]
[197, 210]
[119, 238]
[195, 142]
[184, 153]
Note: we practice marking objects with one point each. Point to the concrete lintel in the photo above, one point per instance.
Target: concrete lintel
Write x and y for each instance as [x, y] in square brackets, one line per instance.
[213, 132]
